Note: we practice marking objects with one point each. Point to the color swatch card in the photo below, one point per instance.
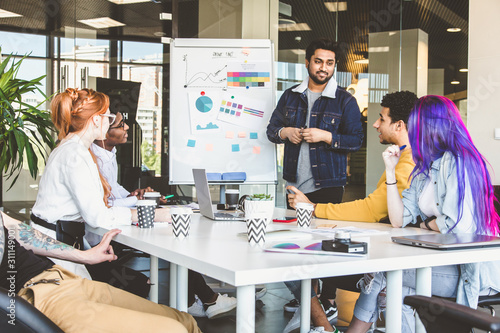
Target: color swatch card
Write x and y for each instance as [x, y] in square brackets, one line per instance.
[246, 75]
[203, 111]
[309, 247]
[241, 111]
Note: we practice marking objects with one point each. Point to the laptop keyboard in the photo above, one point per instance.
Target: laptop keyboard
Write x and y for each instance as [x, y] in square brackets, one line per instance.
[228, 215]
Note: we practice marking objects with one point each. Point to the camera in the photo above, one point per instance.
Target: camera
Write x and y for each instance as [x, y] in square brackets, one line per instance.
[343, 243]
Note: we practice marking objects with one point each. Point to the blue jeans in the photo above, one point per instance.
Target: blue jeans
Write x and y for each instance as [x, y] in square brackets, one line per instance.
[367, 309]
[294, 287]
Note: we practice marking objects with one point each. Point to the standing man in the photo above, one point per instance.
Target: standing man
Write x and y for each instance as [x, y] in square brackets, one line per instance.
[319, 123]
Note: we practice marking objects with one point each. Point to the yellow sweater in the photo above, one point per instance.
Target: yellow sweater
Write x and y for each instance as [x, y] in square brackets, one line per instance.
[373, 208]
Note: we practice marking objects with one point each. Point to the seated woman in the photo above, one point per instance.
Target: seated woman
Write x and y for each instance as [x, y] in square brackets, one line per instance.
[72, 191]
[212, 305]
[449, 171]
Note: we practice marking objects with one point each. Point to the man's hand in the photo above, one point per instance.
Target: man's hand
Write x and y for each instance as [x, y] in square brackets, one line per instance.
[139, 193]
[103, 251]
[313, 135]
[391, 157]
[296, 197]
[292, 134]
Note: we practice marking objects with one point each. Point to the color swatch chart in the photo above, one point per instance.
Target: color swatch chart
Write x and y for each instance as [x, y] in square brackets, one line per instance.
[230, 108]
[248, 79]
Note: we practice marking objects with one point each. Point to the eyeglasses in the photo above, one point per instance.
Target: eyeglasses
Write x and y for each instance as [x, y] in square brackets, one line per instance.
[112, 118]
[120, 125]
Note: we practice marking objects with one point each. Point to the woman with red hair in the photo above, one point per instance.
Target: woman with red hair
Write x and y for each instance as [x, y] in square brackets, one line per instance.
[72, 191]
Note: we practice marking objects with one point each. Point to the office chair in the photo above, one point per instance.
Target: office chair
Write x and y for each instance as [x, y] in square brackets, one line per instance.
[441, 315]
[28, 319]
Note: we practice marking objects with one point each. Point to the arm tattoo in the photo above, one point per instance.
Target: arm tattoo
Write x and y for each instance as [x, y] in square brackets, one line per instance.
[35, 238]
[2, 238]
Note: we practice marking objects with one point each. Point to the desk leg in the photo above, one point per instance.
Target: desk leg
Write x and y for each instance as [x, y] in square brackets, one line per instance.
[153, 278]
[424, 288]
[245, 309]
[182, 288]
[394, 296]
[305, 306]
[173, 285]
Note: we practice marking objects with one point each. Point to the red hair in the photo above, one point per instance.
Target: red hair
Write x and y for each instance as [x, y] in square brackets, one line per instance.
[72, 110]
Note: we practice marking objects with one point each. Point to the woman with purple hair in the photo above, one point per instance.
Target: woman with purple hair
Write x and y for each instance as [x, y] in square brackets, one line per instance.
[448, 171]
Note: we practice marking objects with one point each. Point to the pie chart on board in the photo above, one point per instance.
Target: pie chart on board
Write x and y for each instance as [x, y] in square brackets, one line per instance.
[204, 104]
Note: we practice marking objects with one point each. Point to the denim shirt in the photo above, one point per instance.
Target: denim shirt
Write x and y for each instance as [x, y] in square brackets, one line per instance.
[474, 277]
[335, 111]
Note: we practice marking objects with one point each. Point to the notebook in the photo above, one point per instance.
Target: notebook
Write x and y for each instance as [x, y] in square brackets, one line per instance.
[205, 201]
[440, 241]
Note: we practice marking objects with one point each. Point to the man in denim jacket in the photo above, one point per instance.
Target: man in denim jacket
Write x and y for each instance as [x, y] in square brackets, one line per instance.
[320, 124]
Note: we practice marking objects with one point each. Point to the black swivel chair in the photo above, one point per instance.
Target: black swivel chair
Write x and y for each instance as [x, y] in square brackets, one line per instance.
[28, 319]
[440, 315]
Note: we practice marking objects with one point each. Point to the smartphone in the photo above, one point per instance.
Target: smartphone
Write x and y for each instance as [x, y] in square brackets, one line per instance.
[285, 219]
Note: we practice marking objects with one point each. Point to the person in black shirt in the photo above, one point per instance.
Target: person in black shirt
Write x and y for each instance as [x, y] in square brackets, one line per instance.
[73, 303]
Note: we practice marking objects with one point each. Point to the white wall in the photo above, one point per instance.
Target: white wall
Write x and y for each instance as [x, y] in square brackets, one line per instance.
[484, 80]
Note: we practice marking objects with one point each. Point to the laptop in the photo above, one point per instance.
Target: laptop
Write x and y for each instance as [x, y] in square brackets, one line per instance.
[440, 241]
[205, 201]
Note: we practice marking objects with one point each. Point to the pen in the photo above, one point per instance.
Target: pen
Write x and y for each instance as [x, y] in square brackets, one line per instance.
[168, 196]
[402, 147]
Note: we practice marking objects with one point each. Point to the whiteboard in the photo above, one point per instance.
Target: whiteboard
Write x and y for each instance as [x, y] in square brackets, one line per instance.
[221, 98]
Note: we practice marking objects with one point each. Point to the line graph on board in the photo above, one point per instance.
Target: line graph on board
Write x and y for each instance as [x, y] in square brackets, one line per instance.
[215, 79]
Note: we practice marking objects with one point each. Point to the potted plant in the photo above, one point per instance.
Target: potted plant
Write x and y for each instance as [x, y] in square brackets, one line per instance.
[259, 205]
[24, 128]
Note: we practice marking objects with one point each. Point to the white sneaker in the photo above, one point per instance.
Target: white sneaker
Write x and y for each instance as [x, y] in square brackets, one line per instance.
[197, 309]
[222, 306]
[321, 329]
[260, 292]
[294, 323]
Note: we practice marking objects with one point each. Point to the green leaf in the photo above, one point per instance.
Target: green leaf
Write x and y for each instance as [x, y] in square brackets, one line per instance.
[25, 130]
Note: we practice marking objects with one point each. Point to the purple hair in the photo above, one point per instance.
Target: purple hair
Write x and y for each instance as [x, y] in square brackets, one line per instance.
[435, 127]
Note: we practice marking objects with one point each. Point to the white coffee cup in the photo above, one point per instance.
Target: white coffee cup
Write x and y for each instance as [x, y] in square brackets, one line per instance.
[153, 196]
[304, 214]
[181, 221]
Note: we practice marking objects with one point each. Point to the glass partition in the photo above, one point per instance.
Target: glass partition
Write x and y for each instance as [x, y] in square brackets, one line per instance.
[388, 45]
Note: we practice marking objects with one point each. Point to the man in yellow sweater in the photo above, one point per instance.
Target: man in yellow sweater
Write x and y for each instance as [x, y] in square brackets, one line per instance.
[392, 126]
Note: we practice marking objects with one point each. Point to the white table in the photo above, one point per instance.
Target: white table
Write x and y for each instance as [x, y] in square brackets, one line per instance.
[216, 250]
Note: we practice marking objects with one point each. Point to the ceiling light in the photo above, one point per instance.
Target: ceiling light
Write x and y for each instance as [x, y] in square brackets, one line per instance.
[166, 16]
[5, 14]
[102, 23]
[378, 49]
[299, 52]
[294, 27]
[455, 82]
[166, 40]
[453, 29]
[336, 6]
[127, 2]
[361, 61]
[463, 70]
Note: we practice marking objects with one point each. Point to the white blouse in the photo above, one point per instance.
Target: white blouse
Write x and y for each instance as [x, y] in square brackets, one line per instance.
[106, 160]
[70, 189]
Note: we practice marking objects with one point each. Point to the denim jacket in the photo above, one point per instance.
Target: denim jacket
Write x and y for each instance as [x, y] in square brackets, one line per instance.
[474, 276]
[335, 111]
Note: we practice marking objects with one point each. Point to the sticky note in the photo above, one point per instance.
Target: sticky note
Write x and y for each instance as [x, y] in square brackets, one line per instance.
[253, 135]
[256, 150]
[191, 143]
[235, 148]
[229, 135]
[209, 147]
[242, 135]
